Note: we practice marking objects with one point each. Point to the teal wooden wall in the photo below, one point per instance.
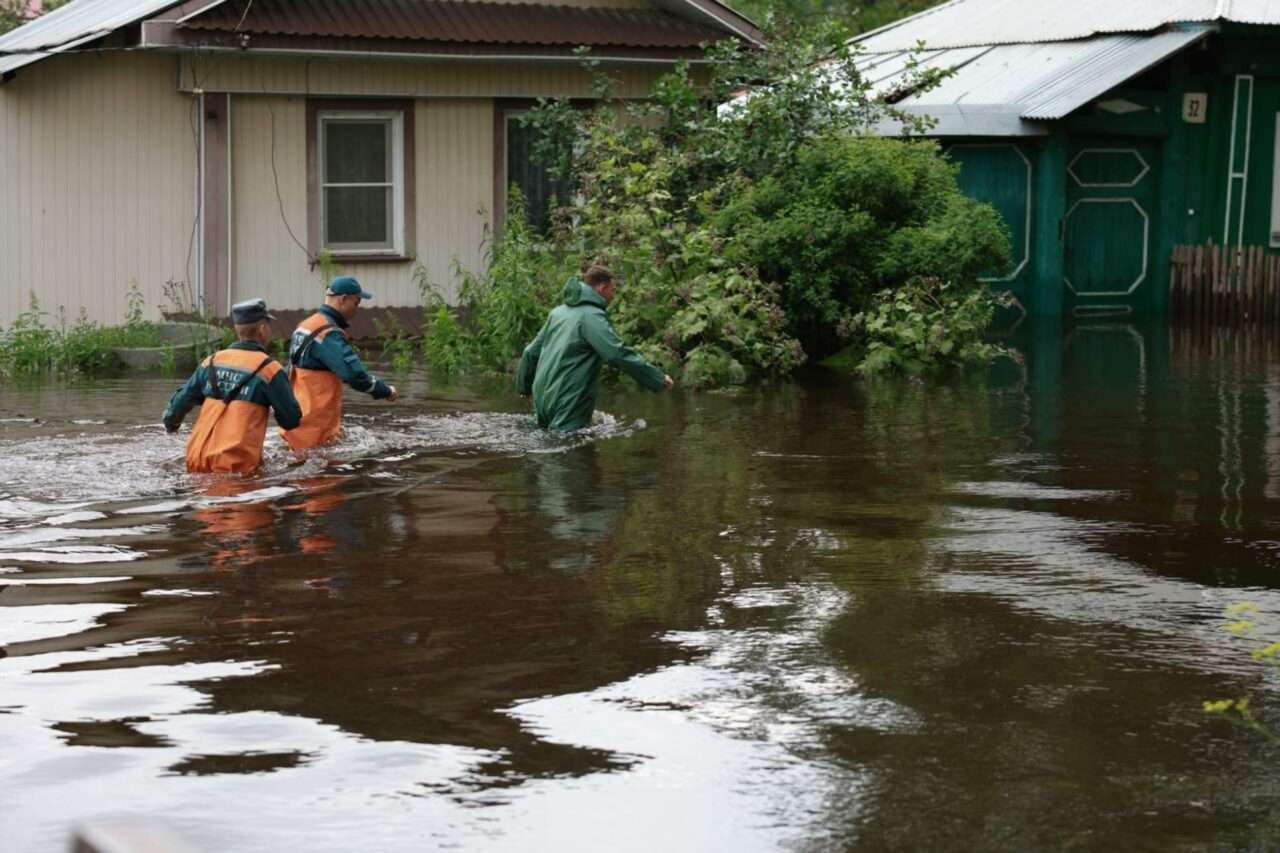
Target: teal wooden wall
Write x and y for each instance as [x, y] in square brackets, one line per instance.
[1095, 208]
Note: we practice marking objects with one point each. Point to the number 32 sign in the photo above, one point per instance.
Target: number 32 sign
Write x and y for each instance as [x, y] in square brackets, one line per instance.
[1195, 107]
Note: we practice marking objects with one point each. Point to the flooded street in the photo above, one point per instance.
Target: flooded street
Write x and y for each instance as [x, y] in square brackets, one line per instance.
[825, 615]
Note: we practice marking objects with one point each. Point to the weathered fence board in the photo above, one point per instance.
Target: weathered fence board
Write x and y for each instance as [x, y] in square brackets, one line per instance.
[1221, 286]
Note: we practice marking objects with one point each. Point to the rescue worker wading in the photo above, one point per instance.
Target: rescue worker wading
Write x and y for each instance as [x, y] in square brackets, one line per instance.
[234, 388]
[321, 359]
[561, 368]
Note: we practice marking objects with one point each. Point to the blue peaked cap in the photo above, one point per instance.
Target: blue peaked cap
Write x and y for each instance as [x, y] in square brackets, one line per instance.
[345, 285]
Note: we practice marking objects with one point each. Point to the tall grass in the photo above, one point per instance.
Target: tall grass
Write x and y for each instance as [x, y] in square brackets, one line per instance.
[38, 342]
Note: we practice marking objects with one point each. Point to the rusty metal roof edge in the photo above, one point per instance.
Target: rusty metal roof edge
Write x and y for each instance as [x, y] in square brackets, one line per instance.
[313, 53]
[721, 14]
[468, 22]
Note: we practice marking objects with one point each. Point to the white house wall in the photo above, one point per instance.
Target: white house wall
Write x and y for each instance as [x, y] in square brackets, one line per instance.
[98, 172]
[454, 191]
[97, 184]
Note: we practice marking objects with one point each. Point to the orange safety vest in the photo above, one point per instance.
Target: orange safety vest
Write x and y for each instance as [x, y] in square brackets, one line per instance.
[227, 437]
[319, 392]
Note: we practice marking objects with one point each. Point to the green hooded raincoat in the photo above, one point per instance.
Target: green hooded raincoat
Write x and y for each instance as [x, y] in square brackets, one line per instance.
[561, 368]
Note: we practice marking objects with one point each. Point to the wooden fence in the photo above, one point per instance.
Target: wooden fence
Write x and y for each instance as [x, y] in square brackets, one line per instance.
[1221, 286]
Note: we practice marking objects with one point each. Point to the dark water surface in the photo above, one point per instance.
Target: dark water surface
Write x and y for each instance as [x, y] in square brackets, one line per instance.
[822, 616]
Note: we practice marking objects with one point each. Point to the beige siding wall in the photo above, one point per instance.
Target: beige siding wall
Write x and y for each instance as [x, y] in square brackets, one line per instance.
[253, 75]
[454, 189]
[97, 184]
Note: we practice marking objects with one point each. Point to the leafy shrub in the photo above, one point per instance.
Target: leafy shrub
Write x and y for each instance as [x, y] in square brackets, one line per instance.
[856, 215]
[746, 232]
[925, 324]
[397, 345]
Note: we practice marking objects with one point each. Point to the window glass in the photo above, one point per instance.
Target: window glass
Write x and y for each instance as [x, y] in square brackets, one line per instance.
[357, 151]
[535, 182]
[357, 215]
[359, 182]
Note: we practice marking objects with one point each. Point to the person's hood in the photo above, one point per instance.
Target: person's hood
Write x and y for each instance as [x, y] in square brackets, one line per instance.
[578, 292]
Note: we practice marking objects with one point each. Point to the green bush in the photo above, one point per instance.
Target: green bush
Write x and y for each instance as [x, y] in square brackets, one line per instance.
[925, 324]
[747, 233]
[857, 215]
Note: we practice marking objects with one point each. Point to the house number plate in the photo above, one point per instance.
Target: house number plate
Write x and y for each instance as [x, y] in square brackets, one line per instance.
[1195, 107]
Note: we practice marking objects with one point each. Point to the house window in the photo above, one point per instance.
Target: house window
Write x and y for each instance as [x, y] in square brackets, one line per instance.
[362, 183]
[536, 183]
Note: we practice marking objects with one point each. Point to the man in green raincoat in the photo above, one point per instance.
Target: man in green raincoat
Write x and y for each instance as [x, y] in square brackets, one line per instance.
[561, 368]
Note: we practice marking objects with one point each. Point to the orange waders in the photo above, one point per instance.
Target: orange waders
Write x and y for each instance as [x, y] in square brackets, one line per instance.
[319, 392]
[227, 437]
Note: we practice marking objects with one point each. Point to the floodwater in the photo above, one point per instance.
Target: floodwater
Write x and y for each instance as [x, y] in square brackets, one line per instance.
[827, 615]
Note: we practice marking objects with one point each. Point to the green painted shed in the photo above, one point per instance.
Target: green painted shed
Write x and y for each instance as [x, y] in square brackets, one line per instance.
[1105, 133]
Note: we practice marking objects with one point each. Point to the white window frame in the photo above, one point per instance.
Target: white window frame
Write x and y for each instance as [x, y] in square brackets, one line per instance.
[395, 118]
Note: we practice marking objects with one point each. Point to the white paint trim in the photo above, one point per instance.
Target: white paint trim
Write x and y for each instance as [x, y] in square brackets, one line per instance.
[1274, 242]
[230, 202]
[1146, 245]
[1234, 174]
[1146, 167]
[1026, 249]
[200, 179]
[198, 12]
[1248, 149]
[1113, 309]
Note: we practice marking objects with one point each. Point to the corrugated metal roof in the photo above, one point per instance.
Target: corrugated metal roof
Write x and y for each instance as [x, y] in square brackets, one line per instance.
[1106, 67]
[970, 23]
[1005, 89]
[445, 21]
[71, 25]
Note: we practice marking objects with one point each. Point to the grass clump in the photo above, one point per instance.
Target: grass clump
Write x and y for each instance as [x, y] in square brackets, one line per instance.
[37, 343]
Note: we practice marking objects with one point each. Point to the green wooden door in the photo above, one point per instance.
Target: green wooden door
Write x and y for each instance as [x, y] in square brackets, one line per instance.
[1109, 230]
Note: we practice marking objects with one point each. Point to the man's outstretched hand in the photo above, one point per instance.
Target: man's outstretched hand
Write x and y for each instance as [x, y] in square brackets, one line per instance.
[394, 395]
[668, 383]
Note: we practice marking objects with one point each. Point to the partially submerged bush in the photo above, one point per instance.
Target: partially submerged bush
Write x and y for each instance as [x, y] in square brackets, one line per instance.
[925, 324]
[745, 236]
[855, 216]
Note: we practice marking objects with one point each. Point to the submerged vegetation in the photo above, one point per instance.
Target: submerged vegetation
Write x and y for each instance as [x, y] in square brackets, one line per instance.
[39, 343]
[750, 232]
[1240, 711]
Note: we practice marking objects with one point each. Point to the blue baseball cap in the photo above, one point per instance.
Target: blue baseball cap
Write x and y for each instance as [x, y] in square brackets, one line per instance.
[250, 311]
[345, 285]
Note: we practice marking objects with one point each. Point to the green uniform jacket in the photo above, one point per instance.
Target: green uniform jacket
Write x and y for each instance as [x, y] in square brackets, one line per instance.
[277, 394]
[561, 368]
[334, 353]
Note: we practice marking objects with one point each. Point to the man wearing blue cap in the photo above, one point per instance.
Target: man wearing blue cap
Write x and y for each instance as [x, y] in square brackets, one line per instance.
[234, 388]
[321, 359]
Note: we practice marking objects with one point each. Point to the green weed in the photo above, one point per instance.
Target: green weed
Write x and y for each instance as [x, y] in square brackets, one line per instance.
[36, 344]
[1240, 711]
[397, 345]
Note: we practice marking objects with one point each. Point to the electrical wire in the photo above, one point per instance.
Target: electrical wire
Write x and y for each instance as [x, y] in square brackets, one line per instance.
[243, 15]
[275, 175]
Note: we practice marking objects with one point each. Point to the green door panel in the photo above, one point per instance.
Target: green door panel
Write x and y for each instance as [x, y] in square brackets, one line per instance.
[1000, 174]
[1109, 229]
[1107, 241]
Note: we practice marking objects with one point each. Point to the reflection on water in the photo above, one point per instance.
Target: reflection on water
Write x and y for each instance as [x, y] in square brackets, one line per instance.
[830, 614]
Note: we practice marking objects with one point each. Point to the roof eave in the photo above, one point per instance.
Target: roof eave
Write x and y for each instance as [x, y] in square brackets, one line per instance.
[953, 120]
